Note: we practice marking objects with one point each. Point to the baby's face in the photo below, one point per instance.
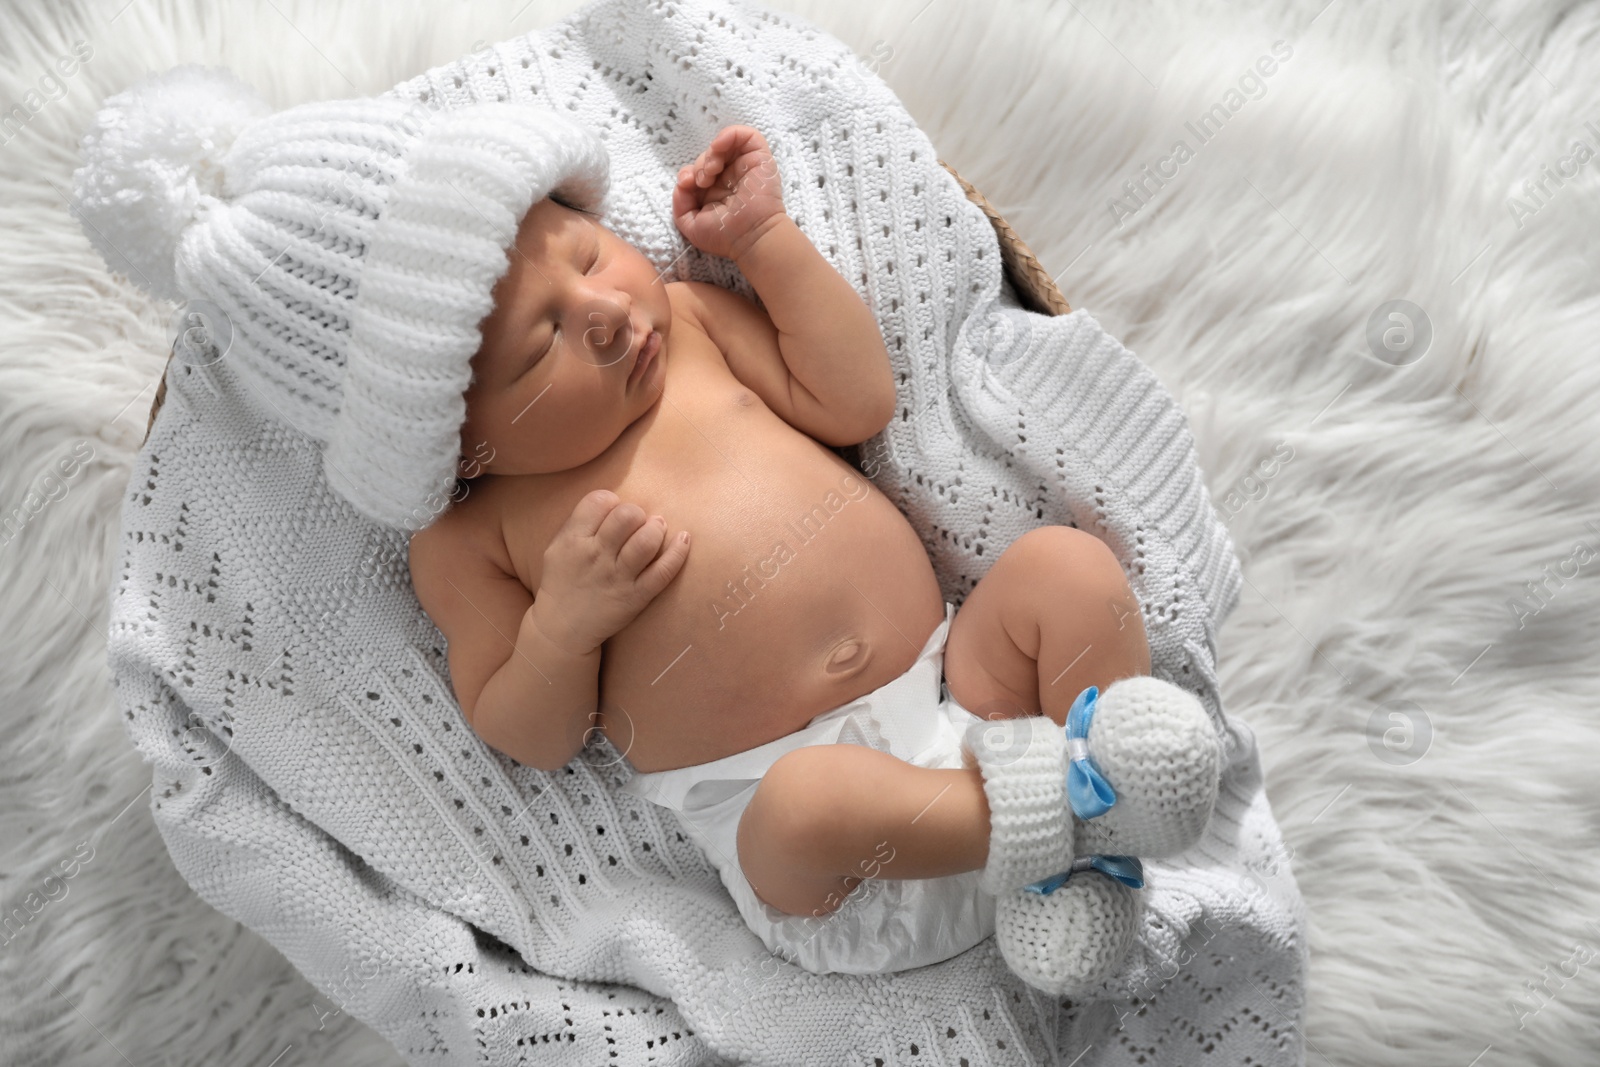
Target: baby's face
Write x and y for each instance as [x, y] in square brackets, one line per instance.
[550, 386]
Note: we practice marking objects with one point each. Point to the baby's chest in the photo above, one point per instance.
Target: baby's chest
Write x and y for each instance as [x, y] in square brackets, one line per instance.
[717, 463]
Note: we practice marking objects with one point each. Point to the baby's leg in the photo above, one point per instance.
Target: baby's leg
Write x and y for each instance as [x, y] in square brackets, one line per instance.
[1053, 616]
[827, 816]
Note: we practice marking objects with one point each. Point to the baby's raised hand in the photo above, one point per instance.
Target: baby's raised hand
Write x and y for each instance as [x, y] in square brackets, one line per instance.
[730, 195]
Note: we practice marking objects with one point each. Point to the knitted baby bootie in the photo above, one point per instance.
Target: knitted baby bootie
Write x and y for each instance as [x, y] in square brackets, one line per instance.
[1143, 770]
[1024, 766]
[1070, 940]
[1154, 744]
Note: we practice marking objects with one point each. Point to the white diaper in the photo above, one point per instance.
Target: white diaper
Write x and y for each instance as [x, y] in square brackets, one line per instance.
[885, 924]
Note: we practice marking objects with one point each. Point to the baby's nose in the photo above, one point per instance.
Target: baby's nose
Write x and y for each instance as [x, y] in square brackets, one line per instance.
[607, 329]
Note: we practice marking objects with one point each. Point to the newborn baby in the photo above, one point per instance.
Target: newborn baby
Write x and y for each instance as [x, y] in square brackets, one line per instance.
[659, 545]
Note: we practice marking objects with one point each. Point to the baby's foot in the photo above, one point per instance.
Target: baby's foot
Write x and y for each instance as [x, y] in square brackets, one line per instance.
[1071, 940]
[1139, 767]
[1156, 747]
[1145, 764]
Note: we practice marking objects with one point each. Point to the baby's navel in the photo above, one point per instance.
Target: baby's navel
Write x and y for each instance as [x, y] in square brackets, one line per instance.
[848, 656]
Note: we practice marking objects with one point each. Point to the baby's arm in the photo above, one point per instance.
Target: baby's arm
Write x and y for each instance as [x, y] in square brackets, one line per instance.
[534, 695]
[729, 202]
[523, 694]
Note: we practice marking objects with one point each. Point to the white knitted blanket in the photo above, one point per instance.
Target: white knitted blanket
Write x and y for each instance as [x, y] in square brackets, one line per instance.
[315, 780]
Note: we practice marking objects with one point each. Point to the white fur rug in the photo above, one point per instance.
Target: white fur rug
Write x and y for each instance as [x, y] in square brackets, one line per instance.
[1430, 746]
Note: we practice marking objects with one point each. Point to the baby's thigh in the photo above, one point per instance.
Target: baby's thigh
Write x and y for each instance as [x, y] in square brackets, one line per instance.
[1059, 573]
[808, 824]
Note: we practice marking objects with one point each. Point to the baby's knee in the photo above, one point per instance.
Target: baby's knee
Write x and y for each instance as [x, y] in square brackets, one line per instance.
[790, 833]
[808, 799]
[1072, 586]
[1056, 565]
[1066, 553]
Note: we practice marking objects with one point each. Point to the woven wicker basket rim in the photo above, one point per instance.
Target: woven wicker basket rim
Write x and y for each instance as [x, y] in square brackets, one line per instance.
[1033, 284]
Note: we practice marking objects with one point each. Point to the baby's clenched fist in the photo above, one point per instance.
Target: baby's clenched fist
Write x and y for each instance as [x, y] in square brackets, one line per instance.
[730, 195]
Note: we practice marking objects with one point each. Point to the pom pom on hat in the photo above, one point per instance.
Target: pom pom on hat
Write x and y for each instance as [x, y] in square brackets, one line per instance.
[153, 157]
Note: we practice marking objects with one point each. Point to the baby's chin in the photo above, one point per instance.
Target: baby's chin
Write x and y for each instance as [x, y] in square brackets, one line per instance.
[517, 460]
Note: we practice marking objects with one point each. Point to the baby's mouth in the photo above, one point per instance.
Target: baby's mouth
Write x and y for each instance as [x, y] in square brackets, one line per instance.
[649, 350]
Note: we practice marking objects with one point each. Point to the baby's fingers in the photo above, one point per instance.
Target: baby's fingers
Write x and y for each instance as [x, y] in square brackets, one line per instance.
[736, 140]
[729, 143]
[707, 168]
[642, 547]
[690, 173]
[659, 574]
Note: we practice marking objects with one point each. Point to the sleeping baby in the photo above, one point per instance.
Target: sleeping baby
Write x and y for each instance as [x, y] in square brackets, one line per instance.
[660, 545]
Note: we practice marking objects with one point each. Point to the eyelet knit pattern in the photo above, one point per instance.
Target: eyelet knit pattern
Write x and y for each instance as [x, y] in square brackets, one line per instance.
[314, 779]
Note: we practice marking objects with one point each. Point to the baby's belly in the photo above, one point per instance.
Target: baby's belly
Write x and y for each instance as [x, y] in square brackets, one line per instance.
[772, 621]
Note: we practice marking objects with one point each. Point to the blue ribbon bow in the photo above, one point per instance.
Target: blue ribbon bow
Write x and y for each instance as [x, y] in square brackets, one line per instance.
[1091, 796]
[1125, 869]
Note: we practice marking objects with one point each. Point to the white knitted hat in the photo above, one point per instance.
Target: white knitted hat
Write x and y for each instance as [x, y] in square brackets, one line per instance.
[350, 245]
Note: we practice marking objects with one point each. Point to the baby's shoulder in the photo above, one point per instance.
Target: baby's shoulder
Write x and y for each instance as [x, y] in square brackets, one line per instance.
[470, 531]
[687, 307]
[703, 304]
[719, 320]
